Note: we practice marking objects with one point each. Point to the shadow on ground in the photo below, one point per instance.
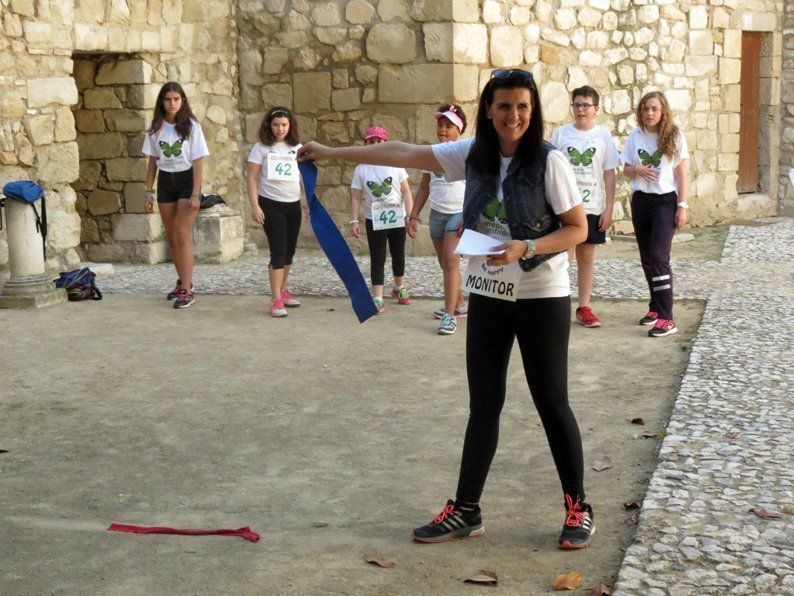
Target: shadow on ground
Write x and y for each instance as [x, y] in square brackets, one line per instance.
[331, 439]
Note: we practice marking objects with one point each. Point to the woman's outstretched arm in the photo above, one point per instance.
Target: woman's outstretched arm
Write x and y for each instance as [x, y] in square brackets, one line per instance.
[391, 153]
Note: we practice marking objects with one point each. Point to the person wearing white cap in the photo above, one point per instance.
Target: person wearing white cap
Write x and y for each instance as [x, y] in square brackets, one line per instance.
[446, 213]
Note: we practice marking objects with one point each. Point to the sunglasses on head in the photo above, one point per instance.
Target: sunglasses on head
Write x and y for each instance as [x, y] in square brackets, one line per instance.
[503, 73]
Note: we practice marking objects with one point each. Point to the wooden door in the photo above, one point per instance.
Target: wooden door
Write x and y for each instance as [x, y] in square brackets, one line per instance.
[749, 113]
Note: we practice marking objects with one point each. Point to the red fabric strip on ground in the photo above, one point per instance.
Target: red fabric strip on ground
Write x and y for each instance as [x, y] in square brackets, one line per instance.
[245, 532]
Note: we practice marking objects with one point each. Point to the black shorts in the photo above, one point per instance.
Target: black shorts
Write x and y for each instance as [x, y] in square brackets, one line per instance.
[172, 186]
[594, 235]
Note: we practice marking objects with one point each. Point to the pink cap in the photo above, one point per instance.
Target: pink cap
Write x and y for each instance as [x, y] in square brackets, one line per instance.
[452, 115]
[376, 132]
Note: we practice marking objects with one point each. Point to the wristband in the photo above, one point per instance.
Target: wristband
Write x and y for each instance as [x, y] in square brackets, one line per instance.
[352, 221]
[683, 205]
[416, 218]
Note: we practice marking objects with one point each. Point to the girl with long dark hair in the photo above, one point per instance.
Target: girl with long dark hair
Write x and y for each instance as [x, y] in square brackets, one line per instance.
[274, 191]
[176, 147]
[521, 192]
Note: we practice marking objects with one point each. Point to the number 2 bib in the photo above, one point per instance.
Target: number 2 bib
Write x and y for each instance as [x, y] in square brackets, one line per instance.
[281, 166]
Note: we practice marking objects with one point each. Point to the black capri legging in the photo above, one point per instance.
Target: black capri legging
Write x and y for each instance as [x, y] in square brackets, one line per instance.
[377, 240]
[282, 224]
[542, 326]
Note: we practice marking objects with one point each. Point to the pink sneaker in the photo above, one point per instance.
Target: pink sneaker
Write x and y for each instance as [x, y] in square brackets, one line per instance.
[277, 309]
[289, 300]
[401, 295]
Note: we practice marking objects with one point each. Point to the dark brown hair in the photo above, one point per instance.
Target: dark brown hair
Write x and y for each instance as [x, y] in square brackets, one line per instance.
[484, 154]
[182, 122]
[586, 91]
[668, 131]
[265, 134]
[458, 111]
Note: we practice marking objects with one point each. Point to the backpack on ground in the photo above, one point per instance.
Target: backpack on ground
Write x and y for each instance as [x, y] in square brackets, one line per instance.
[79, 284]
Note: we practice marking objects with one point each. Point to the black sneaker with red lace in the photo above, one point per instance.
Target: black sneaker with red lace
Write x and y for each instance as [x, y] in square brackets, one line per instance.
[650, 318]
[184, 299]
[578, 526]
[453, 522]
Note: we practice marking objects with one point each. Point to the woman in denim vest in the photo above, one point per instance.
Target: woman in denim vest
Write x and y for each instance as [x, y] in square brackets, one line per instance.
[522, 193]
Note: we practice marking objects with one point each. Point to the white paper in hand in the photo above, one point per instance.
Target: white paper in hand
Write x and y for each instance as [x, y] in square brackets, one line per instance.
[474, 244]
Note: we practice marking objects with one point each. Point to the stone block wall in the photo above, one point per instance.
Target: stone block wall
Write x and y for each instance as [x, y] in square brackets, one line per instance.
[344, 64]
[786, 189]
[45, 45]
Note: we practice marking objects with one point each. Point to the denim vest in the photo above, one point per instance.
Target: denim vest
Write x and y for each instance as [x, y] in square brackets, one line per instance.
[529, 215]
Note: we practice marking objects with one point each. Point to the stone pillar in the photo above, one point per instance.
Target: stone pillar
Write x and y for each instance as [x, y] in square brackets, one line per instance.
[29, 286]
[219, 235]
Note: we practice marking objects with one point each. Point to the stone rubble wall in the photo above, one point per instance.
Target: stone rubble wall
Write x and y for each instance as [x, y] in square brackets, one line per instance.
[190, 41]
[786, 193]
[346, 64]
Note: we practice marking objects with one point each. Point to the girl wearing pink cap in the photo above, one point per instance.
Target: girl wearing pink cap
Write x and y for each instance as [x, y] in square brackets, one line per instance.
[446, 213]
[385, 190]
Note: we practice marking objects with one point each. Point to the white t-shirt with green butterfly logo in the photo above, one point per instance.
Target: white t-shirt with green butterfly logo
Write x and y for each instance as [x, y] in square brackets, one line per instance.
[642, 148]
[379, 183]
[283, 191]
[444, 196]
[590, 153]
[173, 153]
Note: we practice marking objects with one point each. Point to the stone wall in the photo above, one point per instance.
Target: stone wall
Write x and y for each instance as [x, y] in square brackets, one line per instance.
[45, 44]
[345, 64]
[786, 192]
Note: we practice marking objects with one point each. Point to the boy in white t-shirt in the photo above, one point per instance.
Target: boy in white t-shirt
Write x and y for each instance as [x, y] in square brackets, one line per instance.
[594, 158]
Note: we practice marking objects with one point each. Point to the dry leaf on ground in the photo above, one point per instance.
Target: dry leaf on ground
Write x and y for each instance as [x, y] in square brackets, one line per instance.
[380, 562]
[649, 434]
[602, 464]
[631, 505]
[485, 577]
[765, 514]
[630, 521]
[788, 509]
[602, 590]
[569, 581]
[637, 421]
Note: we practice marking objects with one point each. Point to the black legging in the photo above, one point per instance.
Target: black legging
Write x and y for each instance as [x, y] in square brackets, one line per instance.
[377, 252]
[282, 224]
[542, 326]
[653, 217]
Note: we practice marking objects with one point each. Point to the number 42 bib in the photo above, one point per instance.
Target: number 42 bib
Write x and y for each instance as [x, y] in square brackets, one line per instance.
[387, 215]
[282, 166]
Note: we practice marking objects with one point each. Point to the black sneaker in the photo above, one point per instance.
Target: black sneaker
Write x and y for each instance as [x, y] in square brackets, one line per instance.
[578, 526]
[184, 299]
[175, 292]
[650, 318]
[451, 523]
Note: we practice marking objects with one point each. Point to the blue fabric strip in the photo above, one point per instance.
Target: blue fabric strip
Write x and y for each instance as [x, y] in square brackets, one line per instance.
[335, 247]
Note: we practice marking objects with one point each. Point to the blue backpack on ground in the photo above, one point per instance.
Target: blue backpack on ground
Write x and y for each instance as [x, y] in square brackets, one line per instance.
[79, 284]
[29, 192]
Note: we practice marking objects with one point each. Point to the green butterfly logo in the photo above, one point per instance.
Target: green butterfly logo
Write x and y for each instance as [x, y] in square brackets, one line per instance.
[647, 158]
[495, 209]
[174, 150]
[381, 189]
[581, 159]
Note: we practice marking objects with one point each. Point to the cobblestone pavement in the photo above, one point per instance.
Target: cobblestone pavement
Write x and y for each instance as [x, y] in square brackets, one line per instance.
[728, 446]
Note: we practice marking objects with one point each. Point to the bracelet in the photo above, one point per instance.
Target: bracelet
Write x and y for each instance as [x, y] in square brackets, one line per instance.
[352, 221]
[416, 218]
[683, 205]
[530, 251]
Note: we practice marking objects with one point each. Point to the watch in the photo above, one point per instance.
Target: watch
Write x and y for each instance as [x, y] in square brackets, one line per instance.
[683, 205]
[530, 251]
